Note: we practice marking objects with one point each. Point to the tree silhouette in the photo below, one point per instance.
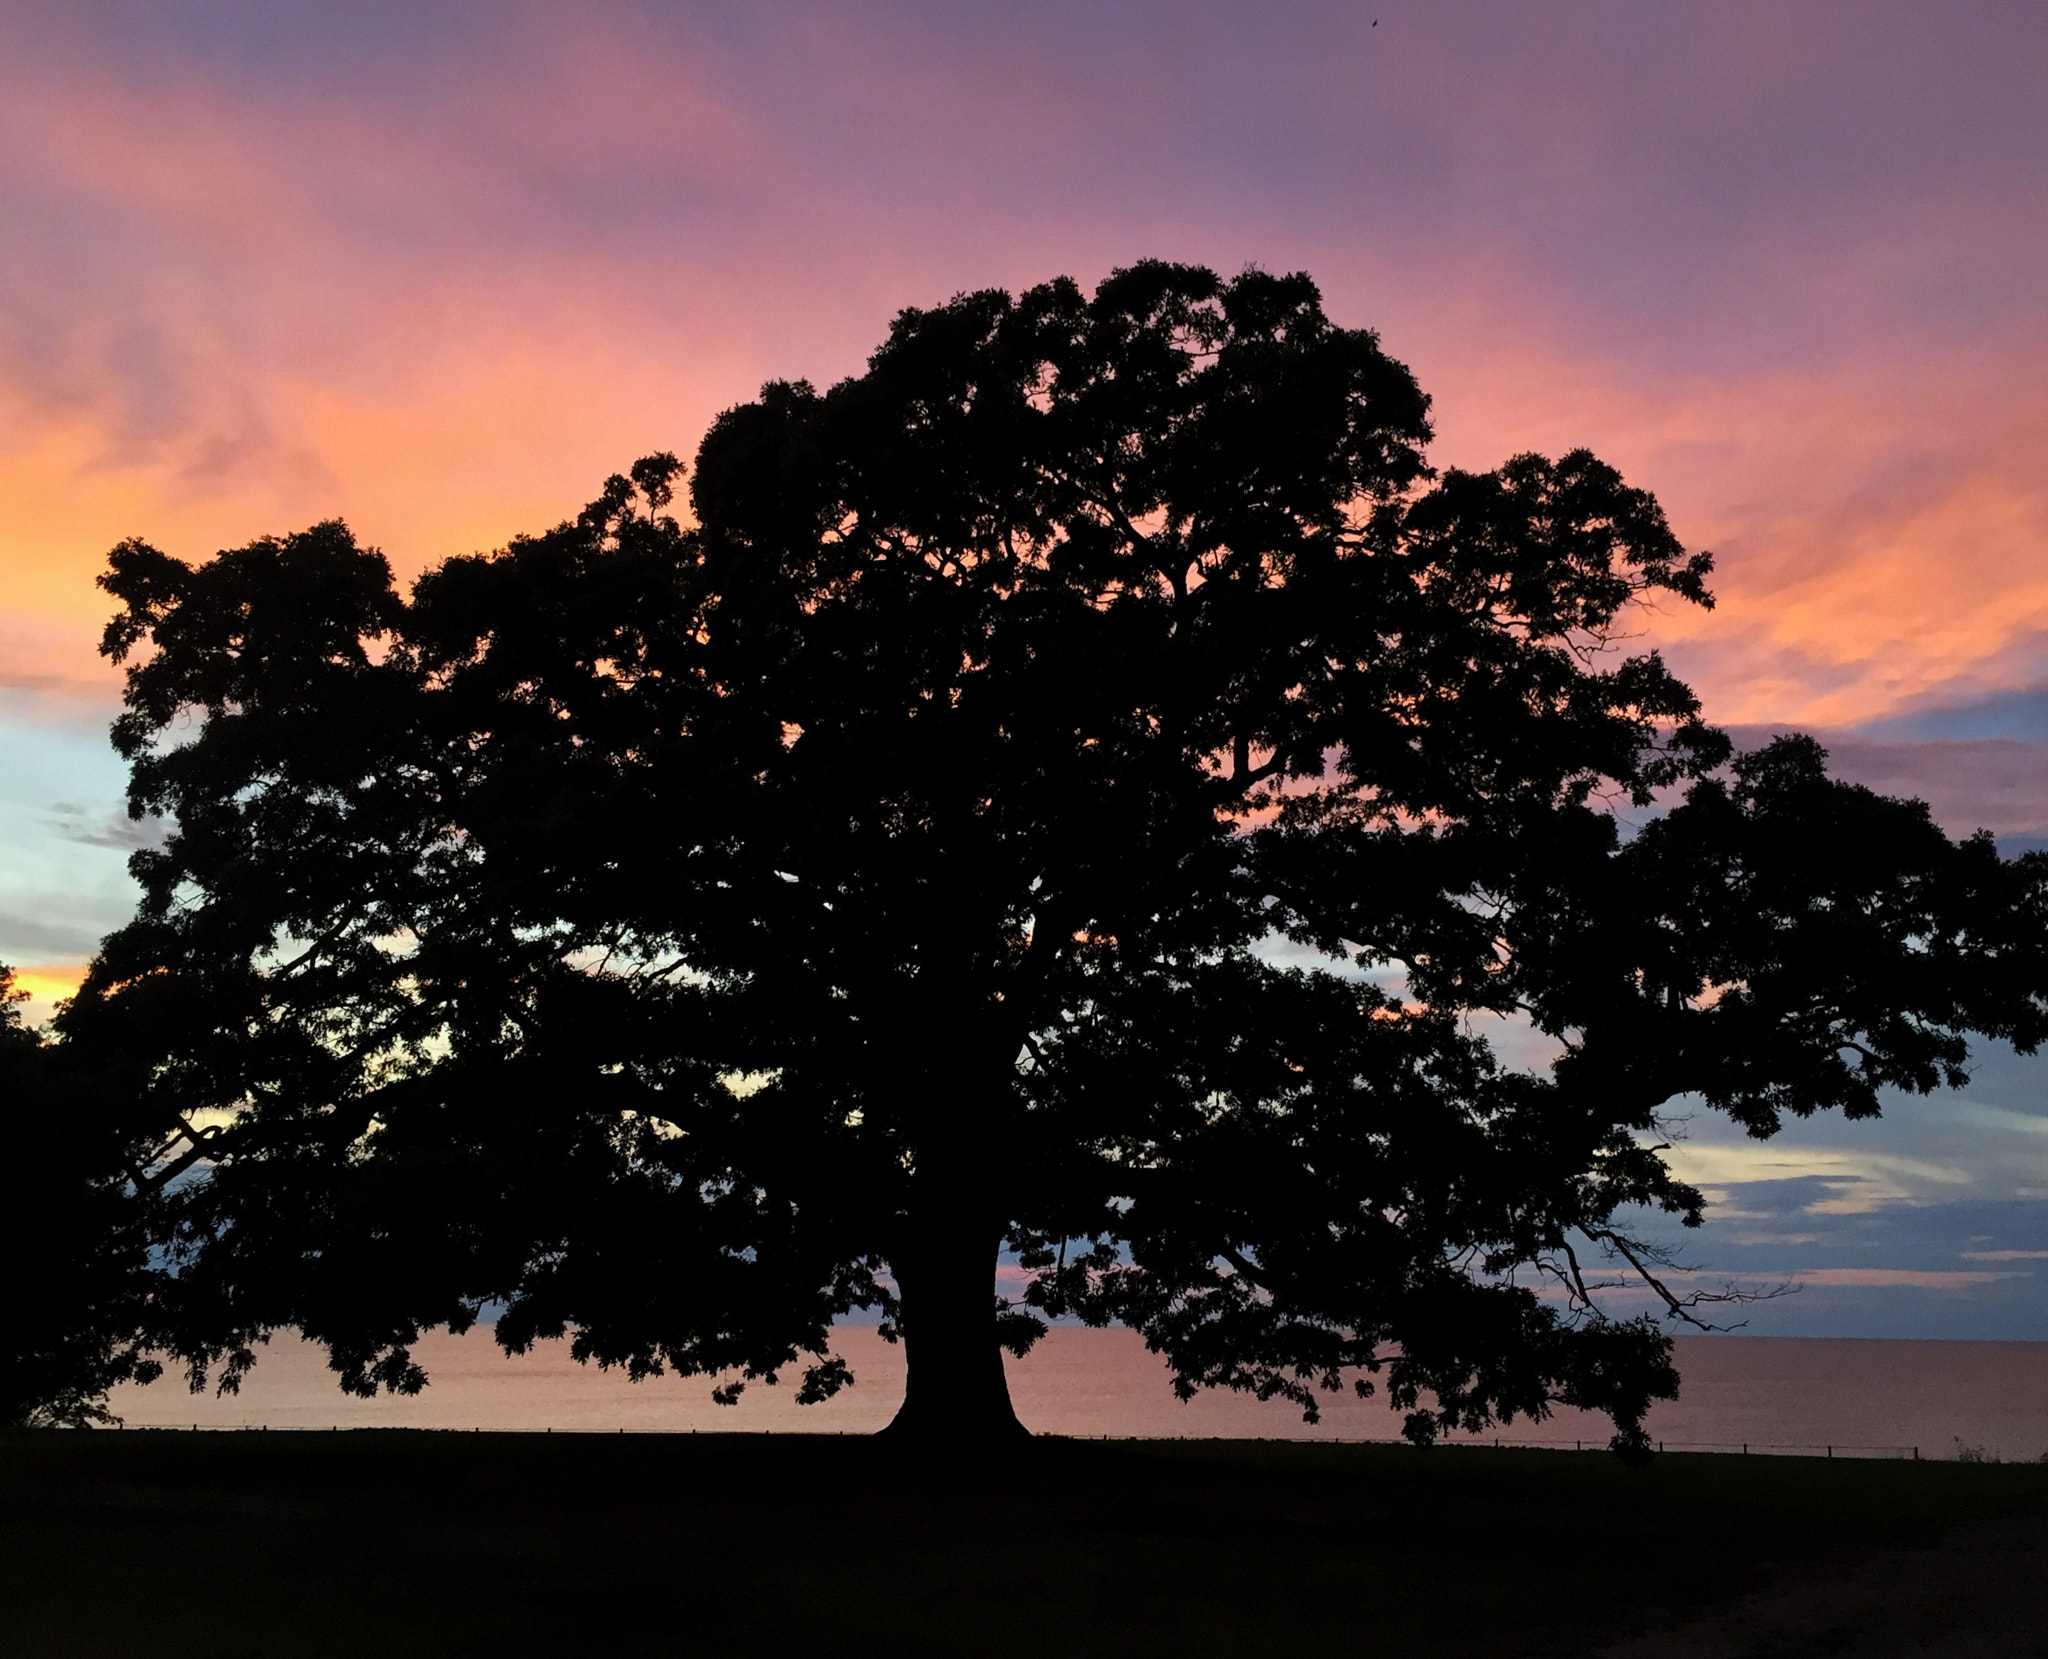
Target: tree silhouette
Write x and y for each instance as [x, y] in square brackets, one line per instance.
[77, 1247]
[1085, 783]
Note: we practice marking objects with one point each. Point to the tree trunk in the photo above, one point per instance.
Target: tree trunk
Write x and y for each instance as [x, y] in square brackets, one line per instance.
[955, 1391]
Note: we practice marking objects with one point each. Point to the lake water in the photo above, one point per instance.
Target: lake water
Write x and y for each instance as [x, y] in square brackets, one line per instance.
[1864, 1397]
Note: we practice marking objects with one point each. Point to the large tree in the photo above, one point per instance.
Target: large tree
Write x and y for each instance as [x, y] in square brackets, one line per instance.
[1083, 783]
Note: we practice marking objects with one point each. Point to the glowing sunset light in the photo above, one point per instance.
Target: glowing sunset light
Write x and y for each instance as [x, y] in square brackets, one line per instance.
[439, 272]
[47, 986]
[279, 296]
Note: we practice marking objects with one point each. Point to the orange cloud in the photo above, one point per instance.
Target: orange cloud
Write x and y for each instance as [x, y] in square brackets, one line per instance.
[1879, 529]
[446, 317]
[46, 987]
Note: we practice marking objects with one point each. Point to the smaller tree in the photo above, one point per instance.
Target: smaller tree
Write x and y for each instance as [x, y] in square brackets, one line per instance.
[78, 1259]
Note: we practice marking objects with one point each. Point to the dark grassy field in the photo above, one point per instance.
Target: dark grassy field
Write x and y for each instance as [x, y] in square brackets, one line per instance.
[396, 1543]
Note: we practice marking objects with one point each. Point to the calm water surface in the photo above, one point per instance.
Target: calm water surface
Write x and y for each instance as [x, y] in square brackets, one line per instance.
[1768, 1391]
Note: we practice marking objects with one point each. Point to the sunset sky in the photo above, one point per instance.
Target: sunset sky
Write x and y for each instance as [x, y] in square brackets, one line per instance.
[439, 269]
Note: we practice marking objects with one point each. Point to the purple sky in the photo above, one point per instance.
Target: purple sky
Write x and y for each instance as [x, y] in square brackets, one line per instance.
[440, 269]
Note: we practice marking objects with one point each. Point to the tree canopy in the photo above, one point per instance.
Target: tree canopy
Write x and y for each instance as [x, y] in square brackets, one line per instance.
[1084, 785]
[77, 1243]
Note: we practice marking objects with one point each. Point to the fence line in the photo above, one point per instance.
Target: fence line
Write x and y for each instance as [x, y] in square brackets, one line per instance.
[1744, 1448]
[1817, 1448]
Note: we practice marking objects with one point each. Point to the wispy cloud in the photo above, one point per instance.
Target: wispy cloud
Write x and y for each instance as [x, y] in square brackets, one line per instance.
[116, 830]
[1910, 1277]
[1855, 1180]
[445, 291]
[32, 937]
[440, 269]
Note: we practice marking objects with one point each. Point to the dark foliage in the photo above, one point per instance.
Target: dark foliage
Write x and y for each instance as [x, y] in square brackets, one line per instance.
[77, 1249]
[684, 935]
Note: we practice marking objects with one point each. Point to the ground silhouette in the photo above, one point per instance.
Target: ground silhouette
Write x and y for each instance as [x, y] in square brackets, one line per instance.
[447, 1544]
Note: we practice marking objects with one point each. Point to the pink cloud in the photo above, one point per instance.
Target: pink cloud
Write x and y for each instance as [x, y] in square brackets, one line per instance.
[1913, 1278]
[442, 281]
